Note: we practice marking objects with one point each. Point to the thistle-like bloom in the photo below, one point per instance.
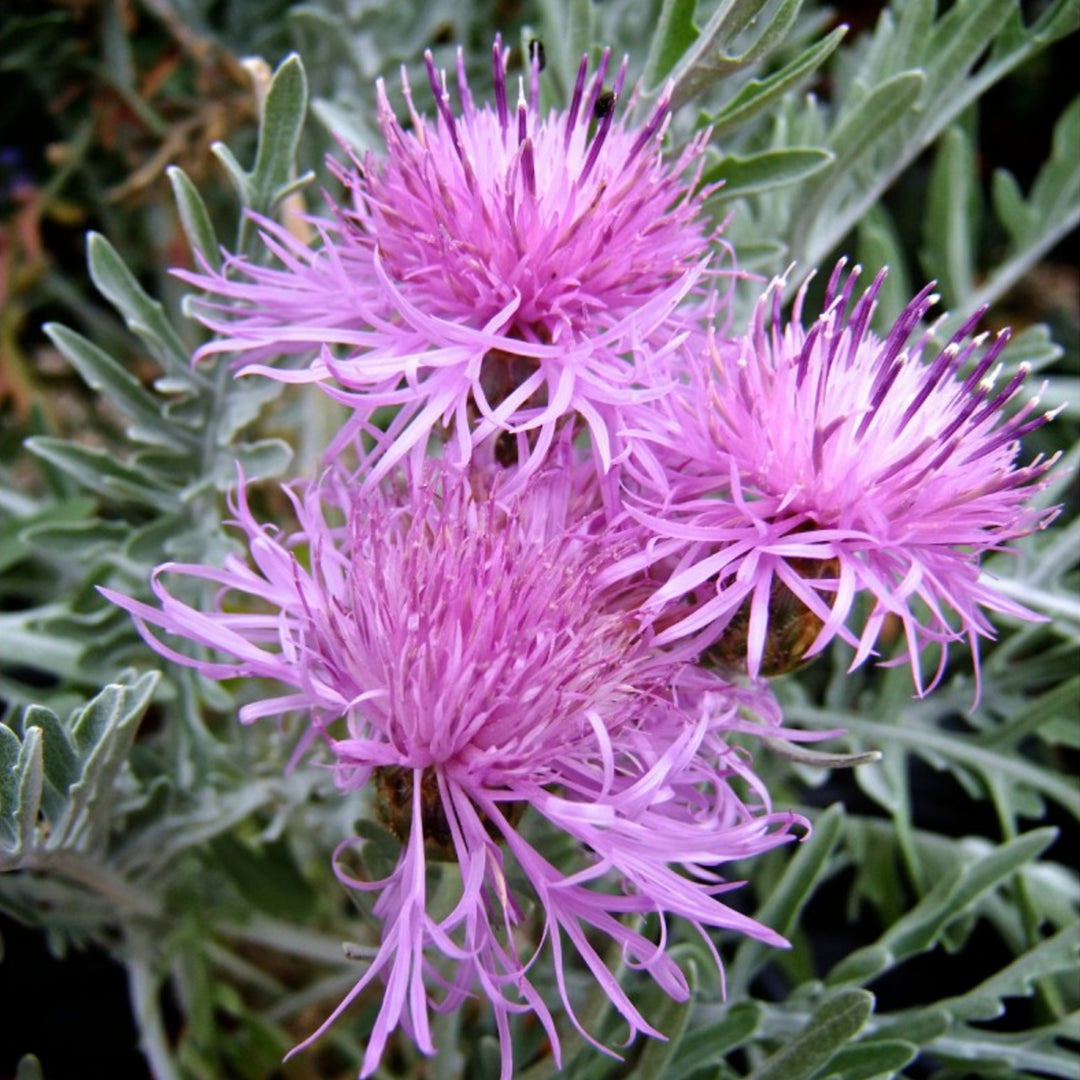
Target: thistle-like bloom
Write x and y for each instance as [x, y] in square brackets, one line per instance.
[497, 270]
[460, 663]
[819, 464]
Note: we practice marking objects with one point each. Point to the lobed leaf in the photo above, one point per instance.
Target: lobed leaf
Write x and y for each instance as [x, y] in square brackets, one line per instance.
[102, 373]
[257, 461]
[882, 108]
[960, 54]
[89, 539]
[706, 1044]
[98, 470]
[68, 771]
[27, 645]
[266, 876]
[195, 218]
[921, 928]
[1048, 1051]
[20, 523]
[279, 135]
[868, 1059]
[951, 221]
[22, 780]
[956, 750]
[674, 36]
[959, 38]
[764, 171]
[145, 317]
[759, 94]
[715, 52]
[835, 1022]
[986, 1001]
[272, 177]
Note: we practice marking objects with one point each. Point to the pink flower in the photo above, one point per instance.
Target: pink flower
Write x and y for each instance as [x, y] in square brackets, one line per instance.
[497, 271]
[816, 465]
[456, 655]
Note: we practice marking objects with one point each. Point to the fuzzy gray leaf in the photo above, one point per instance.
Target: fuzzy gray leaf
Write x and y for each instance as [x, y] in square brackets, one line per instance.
[833, 1023]
[67, 769]
[145, 316]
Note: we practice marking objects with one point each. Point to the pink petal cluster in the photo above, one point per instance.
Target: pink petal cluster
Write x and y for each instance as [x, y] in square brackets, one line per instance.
[498, 270]
[827, 463]
[575, 514]
[456, 654]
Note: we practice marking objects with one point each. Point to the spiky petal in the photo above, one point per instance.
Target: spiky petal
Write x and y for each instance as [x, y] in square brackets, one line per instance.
[826, 463]
[456, 656]
[498, 269]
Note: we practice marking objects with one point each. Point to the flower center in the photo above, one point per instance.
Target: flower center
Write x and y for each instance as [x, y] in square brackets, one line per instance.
[394, 809]
[792, 625]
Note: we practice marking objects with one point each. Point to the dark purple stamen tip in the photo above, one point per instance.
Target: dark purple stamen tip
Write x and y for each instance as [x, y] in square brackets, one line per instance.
[951, 358]
[1010, 433]
[528, 167]
[596, 84]
[598, 139]
[523, 122]
[832, 289]
[968, 327]
[902, 329]
[809, 342]
[620, 79]
[942, 364]
[576, 99]
[499, 72]
[442, 100]
[653, 126]
[863, 311]
[996, 404]
[433, 76]
[463, 83]
[963, 416]
[881, 392]
[978, 373]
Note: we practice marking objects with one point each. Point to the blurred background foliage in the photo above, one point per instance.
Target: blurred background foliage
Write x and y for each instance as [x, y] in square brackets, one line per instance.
[939, 139]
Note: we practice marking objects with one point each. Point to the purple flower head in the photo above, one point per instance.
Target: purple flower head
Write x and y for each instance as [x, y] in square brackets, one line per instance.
[497, 270]
[820, 464]
[462, 666]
